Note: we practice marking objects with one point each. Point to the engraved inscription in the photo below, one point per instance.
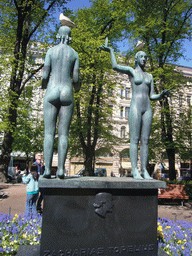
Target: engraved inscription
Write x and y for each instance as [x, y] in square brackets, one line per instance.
[116, 250]
[131, 249]
[103, 204]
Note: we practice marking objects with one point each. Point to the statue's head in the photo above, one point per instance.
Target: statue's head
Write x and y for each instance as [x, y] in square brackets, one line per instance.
[64, 34]
[138, 57]
[103, 204]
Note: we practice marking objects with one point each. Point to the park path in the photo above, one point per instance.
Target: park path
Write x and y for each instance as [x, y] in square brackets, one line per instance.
[16, 197]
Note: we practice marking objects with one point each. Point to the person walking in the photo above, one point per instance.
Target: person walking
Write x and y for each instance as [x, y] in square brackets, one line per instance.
[32, 190]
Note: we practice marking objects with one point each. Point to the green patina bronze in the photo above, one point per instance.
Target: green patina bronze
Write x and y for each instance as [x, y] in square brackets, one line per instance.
[61, 73]
[140, 114]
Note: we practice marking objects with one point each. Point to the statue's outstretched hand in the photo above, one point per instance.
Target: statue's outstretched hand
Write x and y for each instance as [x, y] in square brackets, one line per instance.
[166, 93]
[106, 47]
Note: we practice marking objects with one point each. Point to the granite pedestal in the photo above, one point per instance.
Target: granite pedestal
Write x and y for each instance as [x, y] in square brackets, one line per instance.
[88, 216]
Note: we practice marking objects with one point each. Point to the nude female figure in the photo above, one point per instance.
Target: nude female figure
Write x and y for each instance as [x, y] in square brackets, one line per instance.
[61, 73]
[140, 114]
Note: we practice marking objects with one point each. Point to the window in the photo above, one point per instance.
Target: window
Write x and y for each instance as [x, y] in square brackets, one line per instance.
[126, 112]
[180, 99]
[127, 93]
[121, 93]
[123, 132]
[121, 112]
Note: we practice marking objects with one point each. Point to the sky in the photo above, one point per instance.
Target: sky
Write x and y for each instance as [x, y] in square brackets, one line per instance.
[75, 4]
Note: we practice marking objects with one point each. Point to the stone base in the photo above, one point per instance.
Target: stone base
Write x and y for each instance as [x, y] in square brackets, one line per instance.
[29, 250]
[34, 250]
[91, 216]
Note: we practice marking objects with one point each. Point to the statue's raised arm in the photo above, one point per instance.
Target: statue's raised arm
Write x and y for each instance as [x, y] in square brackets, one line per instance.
[122, 69]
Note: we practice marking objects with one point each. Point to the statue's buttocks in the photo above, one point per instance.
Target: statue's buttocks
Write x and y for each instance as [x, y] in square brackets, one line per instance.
[60, 94]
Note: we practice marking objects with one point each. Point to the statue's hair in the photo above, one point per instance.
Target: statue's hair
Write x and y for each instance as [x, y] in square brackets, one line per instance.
[64, 34]
[136, 57]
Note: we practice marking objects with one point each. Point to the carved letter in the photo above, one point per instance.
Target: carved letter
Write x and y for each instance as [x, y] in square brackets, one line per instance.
[75, 253]
[47, 253]
[68, 252]
[151, 247]
[122, 249]
[93, 252]
[145, 248]
[100, 251]
[61, 253]
[130, 248]
[83, 252]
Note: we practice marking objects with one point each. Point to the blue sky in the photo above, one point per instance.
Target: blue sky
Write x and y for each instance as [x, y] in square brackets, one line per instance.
[75, 4]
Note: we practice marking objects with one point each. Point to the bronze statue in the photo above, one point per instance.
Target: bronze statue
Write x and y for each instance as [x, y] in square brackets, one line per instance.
[61, 73]
[140, 114]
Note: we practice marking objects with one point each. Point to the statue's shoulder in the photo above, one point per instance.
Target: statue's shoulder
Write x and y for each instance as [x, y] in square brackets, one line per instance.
[50, 50]
[150, 76]
[74, 52]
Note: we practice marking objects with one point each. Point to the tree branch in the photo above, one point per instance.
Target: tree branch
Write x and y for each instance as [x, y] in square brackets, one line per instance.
[41, 19]
[187, 15]
[108, 24]
[30, 76]
[16, 5]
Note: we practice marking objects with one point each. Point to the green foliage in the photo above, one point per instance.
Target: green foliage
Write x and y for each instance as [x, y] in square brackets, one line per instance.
[28, 135]
[163, 25]
[91, 119]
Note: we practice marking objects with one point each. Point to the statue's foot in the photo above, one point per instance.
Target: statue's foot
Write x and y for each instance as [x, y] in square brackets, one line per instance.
[146, 175]
[60, 174]
[136, 174]
[47, 174]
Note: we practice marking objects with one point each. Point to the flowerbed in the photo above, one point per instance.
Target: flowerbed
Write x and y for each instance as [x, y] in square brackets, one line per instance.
[175, 237]
[18, 230]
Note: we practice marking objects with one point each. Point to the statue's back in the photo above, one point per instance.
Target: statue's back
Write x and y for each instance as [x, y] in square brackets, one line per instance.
[62, 58]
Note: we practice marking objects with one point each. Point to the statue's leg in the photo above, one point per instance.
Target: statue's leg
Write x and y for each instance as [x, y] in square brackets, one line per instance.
[134, 131]
[145, 133]
[65, 115]
[50, 119]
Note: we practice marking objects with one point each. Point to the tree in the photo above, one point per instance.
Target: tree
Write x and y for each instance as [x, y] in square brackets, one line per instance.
[28, 134]
[163, 25]
[22, 22]
[91, 119]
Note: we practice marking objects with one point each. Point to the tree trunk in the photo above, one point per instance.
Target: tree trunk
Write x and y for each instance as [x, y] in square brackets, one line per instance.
[171, 157]
[167, 137]
[8, 136]
[89, 161]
